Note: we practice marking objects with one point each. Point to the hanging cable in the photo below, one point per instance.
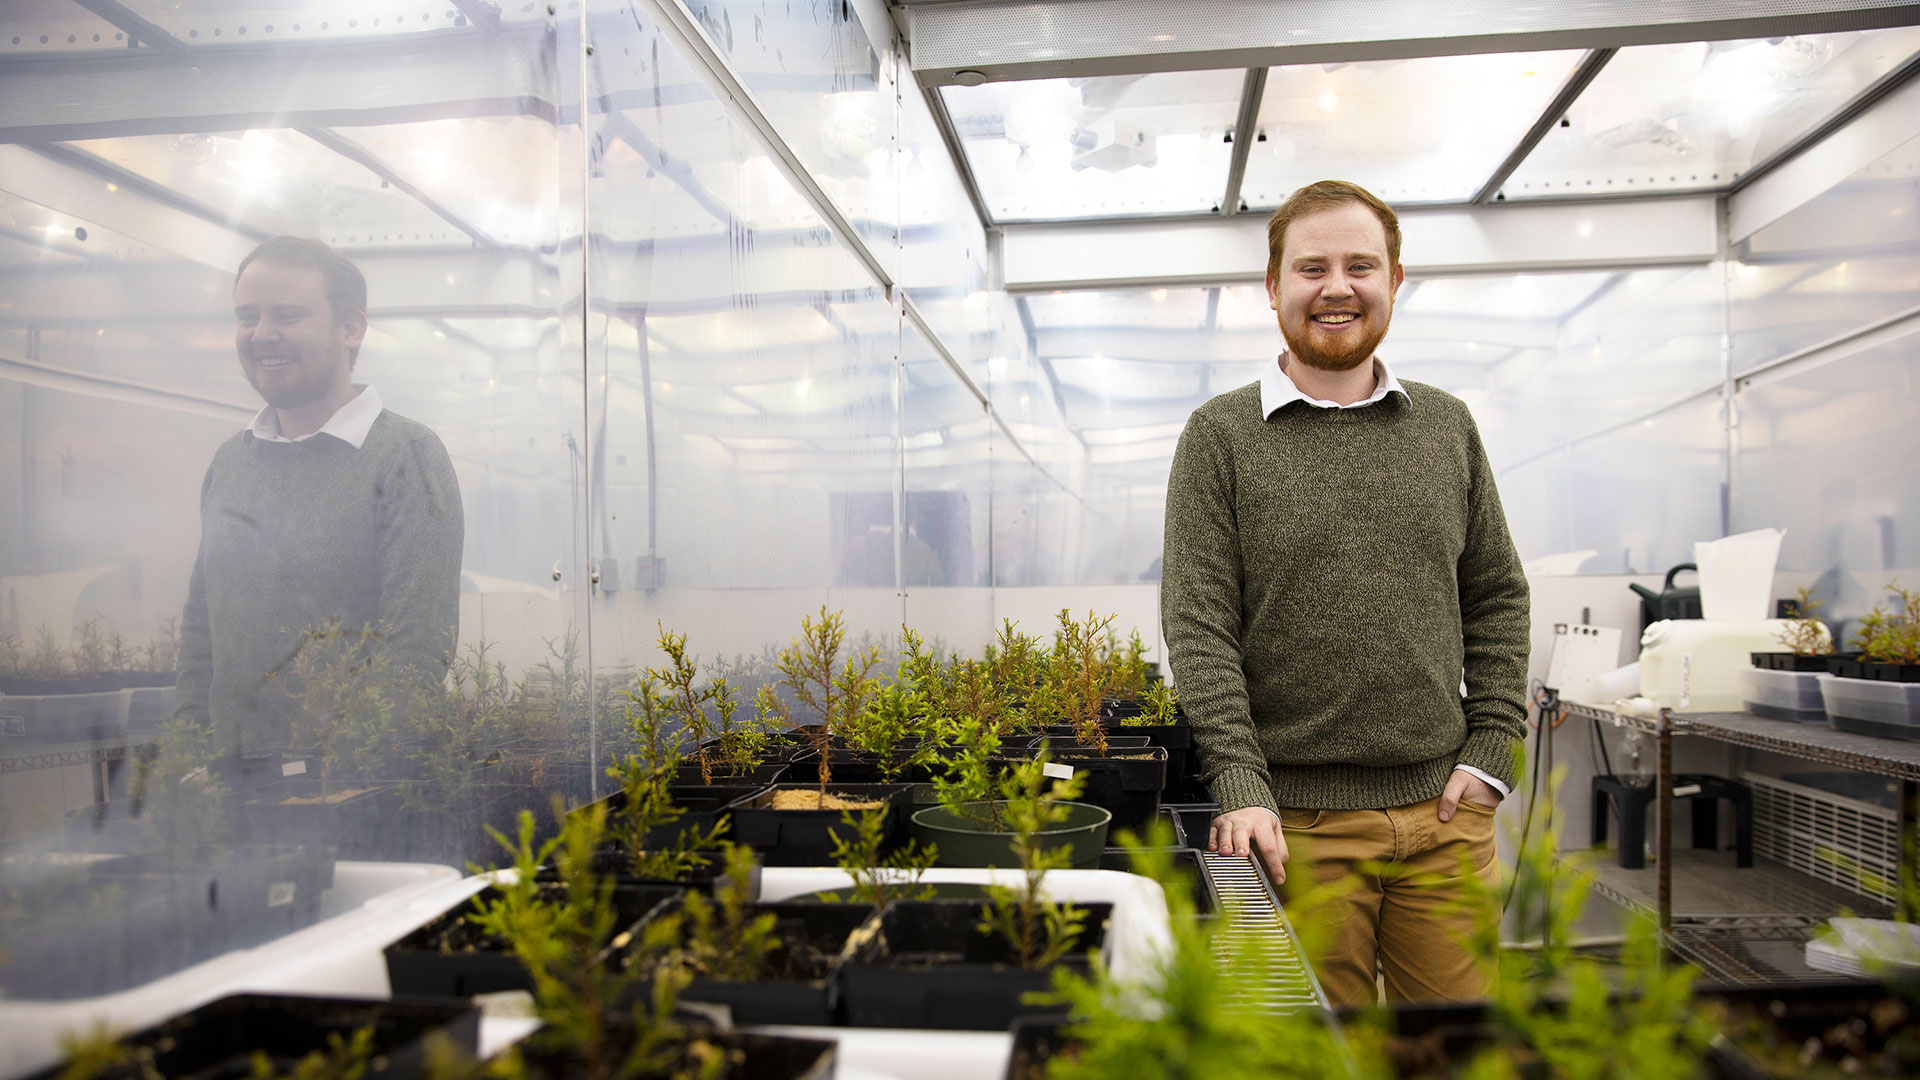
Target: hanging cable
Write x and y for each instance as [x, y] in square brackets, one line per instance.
[1546, 703]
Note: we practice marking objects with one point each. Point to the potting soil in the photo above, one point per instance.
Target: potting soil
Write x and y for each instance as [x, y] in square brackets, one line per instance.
[813, 800]
[322, 800]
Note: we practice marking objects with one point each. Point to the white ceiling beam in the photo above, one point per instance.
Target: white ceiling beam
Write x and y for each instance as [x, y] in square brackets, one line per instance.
[1871, 135]
[1510, 237]
[431, 76]
[1022, 39]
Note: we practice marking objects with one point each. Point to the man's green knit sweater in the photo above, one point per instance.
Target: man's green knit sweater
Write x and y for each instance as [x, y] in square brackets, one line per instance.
[1330, 574]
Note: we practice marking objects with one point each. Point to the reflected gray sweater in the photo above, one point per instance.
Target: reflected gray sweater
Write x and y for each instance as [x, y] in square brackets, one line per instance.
[293, 534]
[1329, 575]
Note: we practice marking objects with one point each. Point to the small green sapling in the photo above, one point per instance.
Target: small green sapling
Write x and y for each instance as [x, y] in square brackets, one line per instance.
[1038, 929]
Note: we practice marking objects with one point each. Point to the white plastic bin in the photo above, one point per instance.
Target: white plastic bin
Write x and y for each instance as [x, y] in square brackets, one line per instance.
[1872, 708]
[1785, 695]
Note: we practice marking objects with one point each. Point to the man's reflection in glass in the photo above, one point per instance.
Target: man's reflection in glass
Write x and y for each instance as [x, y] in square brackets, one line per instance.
[329, 515]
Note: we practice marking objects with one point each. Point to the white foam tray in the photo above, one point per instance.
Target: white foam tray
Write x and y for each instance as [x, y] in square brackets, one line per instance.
[372, 905]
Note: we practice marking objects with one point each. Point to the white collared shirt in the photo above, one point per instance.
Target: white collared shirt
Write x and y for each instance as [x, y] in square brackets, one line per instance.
[350, 423]
[1277, 389]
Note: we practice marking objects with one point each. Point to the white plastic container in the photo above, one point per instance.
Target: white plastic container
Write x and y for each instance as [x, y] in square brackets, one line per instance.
[1698, 665]
[1785, 695]
[1870, 707]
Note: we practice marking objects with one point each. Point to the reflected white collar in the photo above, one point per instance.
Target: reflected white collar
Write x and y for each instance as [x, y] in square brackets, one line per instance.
[350, 423]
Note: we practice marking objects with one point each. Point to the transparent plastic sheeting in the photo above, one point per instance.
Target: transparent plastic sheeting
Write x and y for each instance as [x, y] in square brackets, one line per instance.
[651, 387]
[1541, 359]
[1105, 146]
[1424, 130]
[1848, 259]
[1698, 115]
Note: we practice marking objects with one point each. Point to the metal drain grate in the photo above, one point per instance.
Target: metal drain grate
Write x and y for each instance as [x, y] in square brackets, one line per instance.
[1258, 937]
[1831, 837]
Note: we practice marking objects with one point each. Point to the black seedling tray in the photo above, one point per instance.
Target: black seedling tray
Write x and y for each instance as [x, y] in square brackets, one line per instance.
[805, 837]
[217, 1039]
[802, 985]
[451, 957]
[360, 825]
[930, 967]
[1128, 785]
[747, 1057]
[1186, 864]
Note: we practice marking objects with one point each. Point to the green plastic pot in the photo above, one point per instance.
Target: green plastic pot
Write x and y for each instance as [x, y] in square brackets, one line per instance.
[968, 841]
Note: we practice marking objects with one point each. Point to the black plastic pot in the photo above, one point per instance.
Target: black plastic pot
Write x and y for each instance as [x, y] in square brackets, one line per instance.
[1127, 783]
[968, 840]
[1186, 865]
[747, 1057]
[1036, 1039]
[1900, 673]
[245, 773]
[805, 837]
[688, 774]
[611, 861]
[859, 767]
[1846, 665]
[703, 807]
[1170, 817]
[1196, 821]
[217, 1039]
[1786, 661]
[451, 957]
[801, 986]
[1123, 718]
[1185, 790]
[456, 834]
[358, 824]
[1843, 1025]
[1060, 739]
[930, 967]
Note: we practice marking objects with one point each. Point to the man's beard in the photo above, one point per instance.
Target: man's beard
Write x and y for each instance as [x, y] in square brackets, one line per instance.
[1314, 357]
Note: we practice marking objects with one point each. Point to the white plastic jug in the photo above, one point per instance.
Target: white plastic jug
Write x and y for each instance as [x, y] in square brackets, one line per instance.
[1736, 574]
[1697, 665]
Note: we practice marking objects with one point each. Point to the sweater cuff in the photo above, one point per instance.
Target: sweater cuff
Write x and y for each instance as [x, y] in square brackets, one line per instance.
[1238, 787]
[1493, 753]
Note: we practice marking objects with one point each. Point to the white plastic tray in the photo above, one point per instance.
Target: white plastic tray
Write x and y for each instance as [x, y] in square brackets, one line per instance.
[375, 904]
[370, 905]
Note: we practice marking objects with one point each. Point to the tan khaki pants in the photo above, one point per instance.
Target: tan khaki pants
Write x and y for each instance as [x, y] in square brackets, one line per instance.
[1411, 917]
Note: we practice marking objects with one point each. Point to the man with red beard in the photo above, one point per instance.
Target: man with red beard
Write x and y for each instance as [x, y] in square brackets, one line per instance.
[329, 513]
[1335, 560]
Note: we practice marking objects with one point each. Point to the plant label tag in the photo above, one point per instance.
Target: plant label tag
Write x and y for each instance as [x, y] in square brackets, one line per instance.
[293, 768]
[1685, 790]
[280, 892]
[1058, 772]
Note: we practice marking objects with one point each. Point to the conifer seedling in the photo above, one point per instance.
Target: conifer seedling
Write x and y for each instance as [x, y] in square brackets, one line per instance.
[1038, 929]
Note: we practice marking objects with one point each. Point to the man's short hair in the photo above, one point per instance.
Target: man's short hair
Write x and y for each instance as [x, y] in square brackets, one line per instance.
[1323, 195]
[346, 286]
